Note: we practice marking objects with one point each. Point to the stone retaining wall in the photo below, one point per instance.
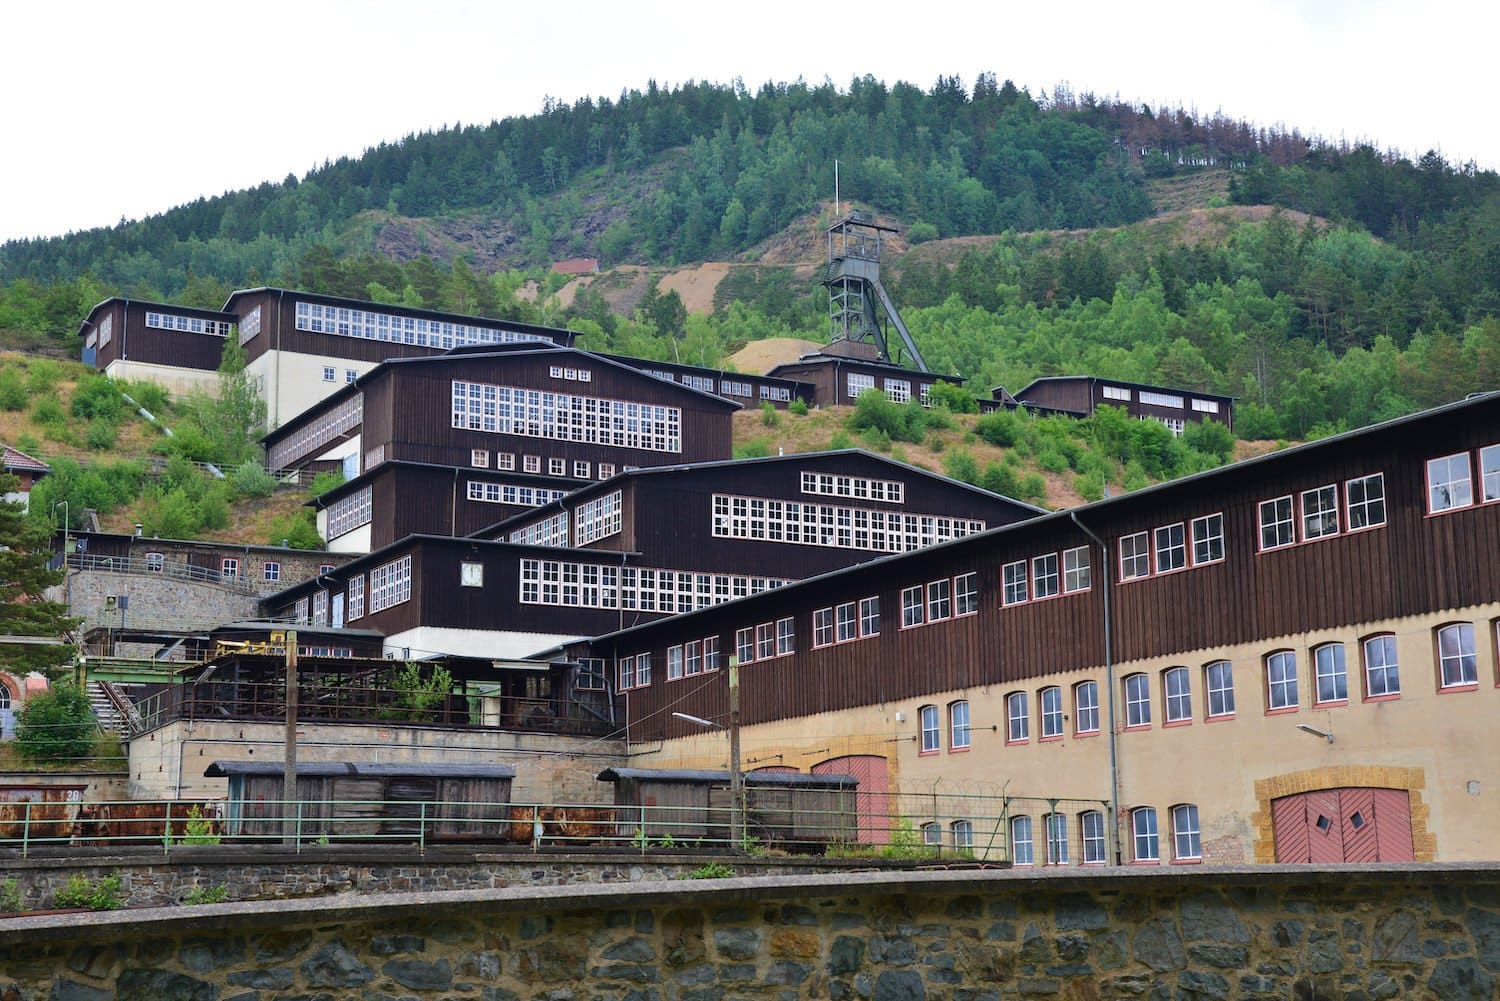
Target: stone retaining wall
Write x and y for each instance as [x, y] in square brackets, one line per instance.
[1366, 933]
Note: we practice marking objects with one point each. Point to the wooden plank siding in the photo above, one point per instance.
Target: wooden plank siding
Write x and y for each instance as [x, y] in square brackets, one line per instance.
[131, 340]
[1415, 563]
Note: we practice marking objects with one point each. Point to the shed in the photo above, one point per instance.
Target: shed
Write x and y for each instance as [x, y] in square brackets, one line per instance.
[369, 799]
[791, 809]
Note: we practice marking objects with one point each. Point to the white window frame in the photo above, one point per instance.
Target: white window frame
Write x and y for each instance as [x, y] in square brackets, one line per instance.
[1056, 826]
[1281, 681]
[1458, 661]
[1386, 666]
[869, 616]
[1177, 694]
[1320, 512]
[1277, 517]
[1022, 847]
[1208, 539]
[1050, 710]
[1144, 835]
[674, 662]
[1137, 700]
[1169, 547]
[479, 458]
[963, 834]
[1045, 580]
[1364, 502]
[1489, 474]
[1017, 718]
[1086, 708]
[786, 636]
[1135, 556]
[1014, 583]
[931, 730]
[1187, 843]
[845, 623]
[966, 594]
[822, 619]
[1218, 686]
[913, 607]
[1447, 490]
[1091, 828]
[959, 732]
[1076, 570]
[1330, 674]
[939, 600]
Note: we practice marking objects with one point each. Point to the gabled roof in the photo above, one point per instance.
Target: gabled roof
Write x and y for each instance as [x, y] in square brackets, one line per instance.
[529, 479]
[692, 468]
[1091, 379]
[217, 314]
[15, 459]
[819, 358]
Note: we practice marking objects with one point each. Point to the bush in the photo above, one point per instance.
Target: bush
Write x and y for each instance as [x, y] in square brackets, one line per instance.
[325, 481]
[98, 396]
[755, 448]
[1211, 438]
[840, 439]
[297, 530]
[921, 232]
[713, 870]
[56, 725]
[1090, 486]
[1000, 479]
[102, 434]
[768, 415]
[875, 412]
[12, 900]
[251, 480]
[207, 895]
[954, 398]
[42, 376]
[13, 394]
[148, 396]
[1033, 489]
[198, 830]
[103, 894]
[960, 465]
[418, 697]
[1052, 461]
[48, 411]
[798, 407]
[1001, 428]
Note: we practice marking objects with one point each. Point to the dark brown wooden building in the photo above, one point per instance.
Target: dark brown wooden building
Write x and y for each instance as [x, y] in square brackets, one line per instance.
[744, 388]
[134, 339]
[1083, 394]
[840, 373]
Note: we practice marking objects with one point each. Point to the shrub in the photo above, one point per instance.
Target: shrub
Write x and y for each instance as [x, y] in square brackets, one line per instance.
[207, 895]
[48, 411]
[798, 407]
[98, 396]
[418, 697]
[325, 481]
[1001, 428]
[960, 465]
[102, 434]
[297, 530]
[954, 398]
[12, 900]
[42, 376]
[251, 480]
[1210, 437]
[56, 725]
[713, 870]
[13, 394]
[840, 439]
[198, 830]
[149, 396]
[103, 894]
[1090, 486]
[998, 478]
[755, 448]
[921, 232]
[1033, 488]
[874, 411]
[1052, 461]
[768, 415]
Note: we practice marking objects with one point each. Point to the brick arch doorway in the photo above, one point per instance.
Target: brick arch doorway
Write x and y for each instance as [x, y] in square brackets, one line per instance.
[1350, 824]
[872, 800]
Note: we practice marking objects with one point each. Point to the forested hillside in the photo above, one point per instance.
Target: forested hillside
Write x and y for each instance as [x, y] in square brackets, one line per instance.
[1036, 245]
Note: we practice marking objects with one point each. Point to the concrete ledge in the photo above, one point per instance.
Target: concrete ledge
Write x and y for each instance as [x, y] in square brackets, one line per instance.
[351, 908]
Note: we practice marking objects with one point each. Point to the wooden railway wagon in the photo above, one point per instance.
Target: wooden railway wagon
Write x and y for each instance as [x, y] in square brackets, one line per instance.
[348, 799]
[786, 809]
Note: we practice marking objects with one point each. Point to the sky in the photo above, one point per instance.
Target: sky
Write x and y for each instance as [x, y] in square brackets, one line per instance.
[122, 110]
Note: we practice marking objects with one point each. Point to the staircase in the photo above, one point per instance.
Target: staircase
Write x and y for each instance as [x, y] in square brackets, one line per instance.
[112, 708]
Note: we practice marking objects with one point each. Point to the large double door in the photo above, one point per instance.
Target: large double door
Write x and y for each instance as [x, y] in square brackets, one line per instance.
[1343, 825]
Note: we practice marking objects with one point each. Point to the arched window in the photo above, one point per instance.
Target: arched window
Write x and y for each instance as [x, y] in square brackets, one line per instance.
[1281, 680]
[932, 833]
[1177, 687]
[963, 834]
[1091, 824]
[931, 735]
[1018, 722]
[958, 725]
[1143, 828]
[1218, 681]
[1020, 841]
[1086, 707]
[1137, 700]
[1457, 662]
[1185, 841]
[1333, 678]
[1052, 712]
[1382, 672]
[1057, 838]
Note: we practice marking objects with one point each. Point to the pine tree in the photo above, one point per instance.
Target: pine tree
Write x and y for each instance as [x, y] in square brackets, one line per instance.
[25, 551]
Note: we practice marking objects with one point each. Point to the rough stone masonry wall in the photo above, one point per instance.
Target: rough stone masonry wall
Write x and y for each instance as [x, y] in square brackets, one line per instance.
[161, 602]
[1353, 934]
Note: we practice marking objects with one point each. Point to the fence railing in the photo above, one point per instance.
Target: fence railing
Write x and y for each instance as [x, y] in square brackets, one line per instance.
[169, 571]
[248, 701]
[770, 823]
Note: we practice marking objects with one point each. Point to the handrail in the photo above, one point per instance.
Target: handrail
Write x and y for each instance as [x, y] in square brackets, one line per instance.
[169, 571]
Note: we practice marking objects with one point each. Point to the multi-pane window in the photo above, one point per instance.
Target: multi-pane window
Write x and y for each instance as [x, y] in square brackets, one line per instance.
[270, 570]
[674, 663]
[1448, 485]
[963, 834]
[1171, 550]
[1056, 825]
[786, 636]
[860, 487]
[1365, 500]
[328, 373]
[939, 600]
[550, 531]
[1137, 700]
[1276, 525]
[931, 735]
[390, 584]
[846, 628]
[156, 562]
[625, 678]
[642, 669]
[318, 431]
[1013, 582]
[898, 390]
[765, 641]
[1185, 841]
[710, 653]
[557, 466]
[320, 608]
[693, 658]
[1052, 712]
[1382, 672]
[1135, 556]
[1076, 569]
[744, 645]
[590, 676]
[1281, 680]
[229, 568]
[966, 594]
[350, 512]
[1320, 512]
[1333, 679]
[1489, 472]
[1091, 826]
[858, 384]
[1161, 399]
[1018, 719]
[1115, 393]
[1218, 680]
[355, 597]
[1086, 707]
[1044, 579]
[190, 324]
[958, 725]
[1143, 832]
[1208, 539]
[911, 606]
[599, 518]
[805, 523]
[932, 834]
[399, 329]
[822, 627]
[1178, 689]
[566, 417]
[869, 616]
[1020, 841]
[1457, 662]
[479, 458]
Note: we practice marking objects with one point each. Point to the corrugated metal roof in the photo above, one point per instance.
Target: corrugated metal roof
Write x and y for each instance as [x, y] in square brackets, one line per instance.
[703, 776]
[363, 769]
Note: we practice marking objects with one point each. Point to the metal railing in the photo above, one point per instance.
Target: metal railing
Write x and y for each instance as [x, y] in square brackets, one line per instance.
[353, 703]
[831, 826]
[169, 571]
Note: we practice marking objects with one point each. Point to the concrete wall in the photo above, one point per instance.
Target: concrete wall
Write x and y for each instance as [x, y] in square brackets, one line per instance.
[549, 768]
[1254, 932]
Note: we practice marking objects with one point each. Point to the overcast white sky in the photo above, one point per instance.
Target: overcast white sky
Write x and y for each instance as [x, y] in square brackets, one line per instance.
[118, 110]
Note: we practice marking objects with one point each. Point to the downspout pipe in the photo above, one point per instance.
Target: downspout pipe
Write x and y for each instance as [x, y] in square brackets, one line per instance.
[1109, 681]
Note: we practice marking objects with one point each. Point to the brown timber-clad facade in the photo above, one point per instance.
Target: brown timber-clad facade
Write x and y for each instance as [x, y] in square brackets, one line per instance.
[1325, 618]
[1082, 395]
[838, 380]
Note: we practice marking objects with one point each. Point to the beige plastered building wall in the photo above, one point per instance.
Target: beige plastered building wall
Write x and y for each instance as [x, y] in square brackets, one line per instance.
[1436, 745]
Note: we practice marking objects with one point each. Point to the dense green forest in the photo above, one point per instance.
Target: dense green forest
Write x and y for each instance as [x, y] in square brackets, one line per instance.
[1386, 302]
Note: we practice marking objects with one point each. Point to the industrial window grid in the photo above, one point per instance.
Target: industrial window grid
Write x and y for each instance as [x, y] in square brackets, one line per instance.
[509, 493]
[858, 487]
[188, 324]
[356, 597]
[390, 584]
[317, 432]
[535, 413]
[549, 531]
[599, 518]
[351, 512]
[833, 526]
[644, 589]
[378, 326]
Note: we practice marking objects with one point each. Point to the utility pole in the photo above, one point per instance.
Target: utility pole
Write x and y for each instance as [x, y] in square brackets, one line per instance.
[736, 781]
[289, 774]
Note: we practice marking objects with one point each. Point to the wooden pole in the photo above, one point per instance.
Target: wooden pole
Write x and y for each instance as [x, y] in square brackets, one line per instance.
[736, 782]
[289, 774]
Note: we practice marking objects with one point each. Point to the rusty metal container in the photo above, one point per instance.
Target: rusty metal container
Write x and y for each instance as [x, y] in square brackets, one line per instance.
[52, 811]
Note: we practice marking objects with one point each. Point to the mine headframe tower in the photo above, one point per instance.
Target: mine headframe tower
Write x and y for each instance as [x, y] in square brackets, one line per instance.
[859, 308]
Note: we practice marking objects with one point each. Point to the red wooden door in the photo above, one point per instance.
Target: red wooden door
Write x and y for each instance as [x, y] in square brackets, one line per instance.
[1343, 825]
[871, 801]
